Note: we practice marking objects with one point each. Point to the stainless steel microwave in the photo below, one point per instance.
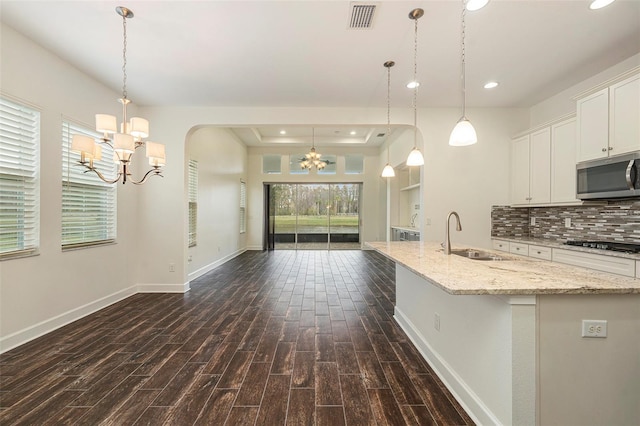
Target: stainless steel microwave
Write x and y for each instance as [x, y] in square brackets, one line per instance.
[613, 177]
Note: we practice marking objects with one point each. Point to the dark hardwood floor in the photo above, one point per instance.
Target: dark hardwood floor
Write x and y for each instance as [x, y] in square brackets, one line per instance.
[296, 338]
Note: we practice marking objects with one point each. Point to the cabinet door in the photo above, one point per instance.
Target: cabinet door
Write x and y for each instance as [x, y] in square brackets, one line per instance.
[624, 116]
[540, 166]
[563, 161]
[593, 126]
[520, 170]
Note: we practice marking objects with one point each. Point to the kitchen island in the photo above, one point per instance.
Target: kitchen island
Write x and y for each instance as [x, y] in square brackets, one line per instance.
[506, 336]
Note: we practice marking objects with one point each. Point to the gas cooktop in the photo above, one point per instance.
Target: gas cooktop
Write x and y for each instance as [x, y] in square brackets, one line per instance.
[606, 245]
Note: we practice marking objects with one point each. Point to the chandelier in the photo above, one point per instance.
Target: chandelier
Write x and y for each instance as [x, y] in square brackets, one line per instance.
[388, 169]
[127, 140]
[415, 157]
[312, 159]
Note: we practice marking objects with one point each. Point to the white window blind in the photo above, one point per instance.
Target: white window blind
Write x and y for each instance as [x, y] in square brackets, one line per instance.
[193, 202]
[89, 208]
[19, 179]
[243, 207]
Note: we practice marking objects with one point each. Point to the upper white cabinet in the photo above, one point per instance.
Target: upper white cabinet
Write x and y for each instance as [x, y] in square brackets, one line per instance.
[609, 120]
[624, 116]
[530, 168]
[543, 165]
[563, 162]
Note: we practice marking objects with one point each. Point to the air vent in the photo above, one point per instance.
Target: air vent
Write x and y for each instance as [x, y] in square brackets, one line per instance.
[362, 15]
[380, 135]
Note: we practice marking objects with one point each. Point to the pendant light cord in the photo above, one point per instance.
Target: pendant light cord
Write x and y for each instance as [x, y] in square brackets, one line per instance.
[415, 81]
[388, 106]
[463, 72]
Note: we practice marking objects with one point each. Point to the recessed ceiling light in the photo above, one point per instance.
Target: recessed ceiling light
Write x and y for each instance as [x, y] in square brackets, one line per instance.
[491, 84]
[413, 84]
[476, 4]
[353, 132]
[599, 4]
[283, 132]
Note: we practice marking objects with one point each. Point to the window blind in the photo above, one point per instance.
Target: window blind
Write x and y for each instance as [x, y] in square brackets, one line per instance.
[89, 208]
[19, 179]
[193, 202]
[243, 207]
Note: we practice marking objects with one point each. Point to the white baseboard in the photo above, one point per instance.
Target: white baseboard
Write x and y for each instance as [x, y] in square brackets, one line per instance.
[23, 336]
[163, 288]
[254, 248]
[213, 265]
[472, 404]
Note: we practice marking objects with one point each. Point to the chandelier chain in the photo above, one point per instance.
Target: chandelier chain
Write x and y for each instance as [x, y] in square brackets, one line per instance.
[124, 57]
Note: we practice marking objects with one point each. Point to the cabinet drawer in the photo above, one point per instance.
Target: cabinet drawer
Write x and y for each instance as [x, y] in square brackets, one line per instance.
[500, 245]
[539, 252]
[519, 248]
[611, 264]
[637, 268]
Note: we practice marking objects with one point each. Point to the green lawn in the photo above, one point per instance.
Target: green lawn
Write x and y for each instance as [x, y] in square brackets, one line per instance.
[344, 224]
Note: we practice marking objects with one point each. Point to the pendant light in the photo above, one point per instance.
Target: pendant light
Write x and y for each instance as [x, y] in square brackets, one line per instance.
[463, 134]
[415, 157]
[312, 159]
[388, 169]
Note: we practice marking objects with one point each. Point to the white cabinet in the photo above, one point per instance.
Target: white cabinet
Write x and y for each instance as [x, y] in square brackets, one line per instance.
[531, 168]
[624, 116]
[613, 265]
[540, 252]
[609, 120]
[500, 245]
[563, 162]
[519, 248]
[593, 125]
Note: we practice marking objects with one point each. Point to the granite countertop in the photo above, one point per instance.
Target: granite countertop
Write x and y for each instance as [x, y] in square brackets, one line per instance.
[515, 275]
[560, 244]
[405, 228]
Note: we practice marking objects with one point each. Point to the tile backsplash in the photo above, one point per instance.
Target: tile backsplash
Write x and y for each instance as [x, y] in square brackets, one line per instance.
[615, 221]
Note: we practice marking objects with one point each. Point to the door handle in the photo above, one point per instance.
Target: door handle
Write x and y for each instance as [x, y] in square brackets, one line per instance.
[630, 179]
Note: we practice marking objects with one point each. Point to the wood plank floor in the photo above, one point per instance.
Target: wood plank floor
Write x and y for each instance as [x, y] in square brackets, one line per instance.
[268, 338]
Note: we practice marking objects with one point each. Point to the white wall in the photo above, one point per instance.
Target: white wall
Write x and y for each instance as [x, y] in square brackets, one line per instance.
[222, 164]
[563, 103]
[468, 180]
[40, 293]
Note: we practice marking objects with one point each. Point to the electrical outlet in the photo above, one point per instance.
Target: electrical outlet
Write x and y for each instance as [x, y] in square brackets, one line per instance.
[172, 267]
[533, 221]
[436, 321]
[567, 222]
[428, 221]
[594, 328]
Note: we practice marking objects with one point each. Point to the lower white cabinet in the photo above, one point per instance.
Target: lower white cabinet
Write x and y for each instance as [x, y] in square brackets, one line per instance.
[540, 252]
[519, 248]
[637, 268]
[611, 264]
[500, 245]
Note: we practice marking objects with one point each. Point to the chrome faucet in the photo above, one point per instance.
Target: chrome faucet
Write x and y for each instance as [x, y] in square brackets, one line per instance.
[412, 222]
[447, 242]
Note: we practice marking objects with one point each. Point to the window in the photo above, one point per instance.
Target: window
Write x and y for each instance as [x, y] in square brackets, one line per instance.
[330, 168]
[294, 165]
[19, 179]
[271, 164]
[89, 209]
[193, 202]
[353, 164]
[243, 207]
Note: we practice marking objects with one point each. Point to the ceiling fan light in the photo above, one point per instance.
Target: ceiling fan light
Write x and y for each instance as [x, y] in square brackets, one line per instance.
[472, 5]
[599, 4]
[415, 158]
[388, 171]
[463, 134]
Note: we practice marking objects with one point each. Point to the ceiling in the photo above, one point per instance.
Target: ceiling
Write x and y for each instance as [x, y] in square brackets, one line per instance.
[303, 53]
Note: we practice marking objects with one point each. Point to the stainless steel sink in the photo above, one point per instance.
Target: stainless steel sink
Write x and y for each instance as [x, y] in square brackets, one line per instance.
[476, 254]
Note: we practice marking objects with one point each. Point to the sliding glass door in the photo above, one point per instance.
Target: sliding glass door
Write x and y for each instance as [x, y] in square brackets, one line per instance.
[313, 216]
